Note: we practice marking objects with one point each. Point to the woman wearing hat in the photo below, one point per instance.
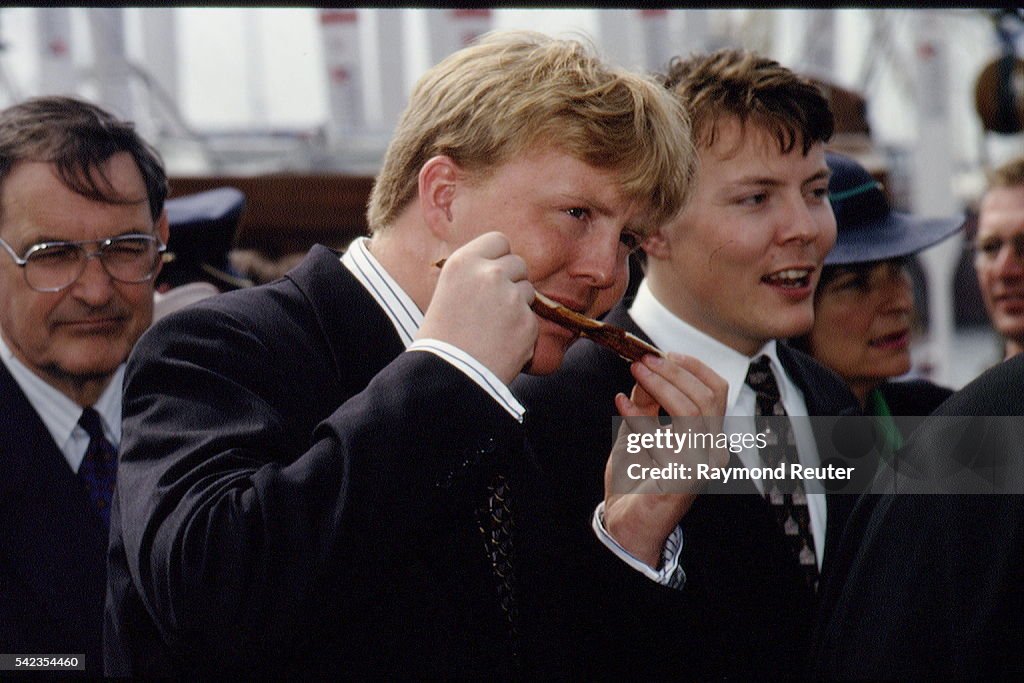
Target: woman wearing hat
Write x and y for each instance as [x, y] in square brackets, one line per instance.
[864, 302]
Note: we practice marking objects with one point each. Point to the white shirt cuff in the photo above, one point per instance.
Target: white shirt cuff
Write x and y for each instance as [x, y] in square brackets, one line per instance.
[670, 574]
[473, 369]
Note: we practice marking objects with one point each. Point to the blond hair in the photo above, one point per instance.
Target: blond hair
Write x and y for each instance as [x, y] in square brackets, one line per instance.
[512, 91]
[752, 89]
[1010, 174]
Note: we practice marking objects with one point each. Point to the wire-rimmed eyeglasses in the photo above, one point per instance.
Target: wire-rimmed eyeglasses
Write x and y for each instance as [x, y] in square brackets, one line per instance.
[53, 266]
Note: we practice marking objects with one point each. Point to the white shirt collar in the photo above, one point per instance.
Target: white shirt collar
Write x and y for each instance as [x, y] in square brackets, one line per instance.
[407, 319]
[399, 307]
[671, 333]
[60, 414]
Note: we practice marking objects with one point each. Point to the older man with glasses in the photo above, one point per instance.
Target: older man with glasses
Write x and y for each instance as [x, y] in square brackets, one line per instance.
[75, 183]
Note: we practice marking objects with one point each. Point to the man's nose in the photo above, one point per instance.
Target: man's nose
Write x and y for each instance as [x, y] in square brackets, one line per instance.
[597, 260]
[95, 285]
[898, 293]
[803, 223]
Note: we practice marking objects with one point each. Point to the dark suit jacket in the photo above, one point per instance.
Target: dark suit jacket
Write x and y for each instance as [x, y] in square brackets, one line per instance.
[745, 609]
[913, 397]
[297, 495]
[935, 583]
[52, 543]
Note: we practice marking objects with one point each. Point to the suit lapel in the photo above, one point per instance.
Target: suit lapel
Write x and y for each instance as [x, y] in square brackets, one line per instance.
[57, 546]
[824, 392]
[349, 317]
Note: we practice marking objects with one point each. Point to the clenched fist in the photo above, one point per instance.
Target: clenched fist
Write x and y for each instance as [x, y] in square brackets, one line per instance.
[482, 306]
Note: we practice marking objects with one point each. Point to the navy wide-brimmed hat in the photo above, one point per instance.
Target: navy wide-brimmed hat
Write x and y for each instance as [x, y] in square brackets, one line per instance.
[868, 229]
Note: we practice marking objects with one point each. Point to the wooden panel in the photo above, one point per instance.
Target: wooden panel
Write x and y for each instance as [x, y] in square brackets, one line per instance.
[288, 213]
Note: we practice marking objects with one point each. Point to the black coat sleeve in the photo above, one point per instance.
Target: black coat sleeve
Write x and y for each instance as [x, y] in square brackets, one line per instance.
[254, 486]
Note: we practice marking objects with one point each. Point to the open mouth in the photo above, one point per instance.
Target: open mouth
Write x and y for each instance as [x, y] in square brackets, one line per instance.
[790, 278]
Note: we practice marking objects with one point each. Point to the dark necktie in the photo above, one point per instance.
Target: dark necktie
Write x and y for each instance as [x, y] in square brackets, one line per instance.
[497, 526]
[788, 500]
[98, 470]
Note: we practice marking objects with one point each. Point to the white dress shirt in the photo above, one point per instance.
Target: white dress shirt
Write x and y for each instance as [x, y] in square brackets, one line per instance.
[407, 319]
[60, 414]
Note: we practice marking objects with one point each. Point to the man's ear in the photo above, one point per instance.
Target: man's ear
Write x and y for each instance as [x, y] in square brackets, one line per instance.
[438, 179]
[657, 243]
[163, 227]
[163, 233]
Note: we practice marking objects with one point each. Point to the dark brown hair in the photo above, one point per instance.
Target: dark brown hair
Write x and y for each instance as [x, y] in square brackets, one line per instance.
[78, 138]
[752, 89]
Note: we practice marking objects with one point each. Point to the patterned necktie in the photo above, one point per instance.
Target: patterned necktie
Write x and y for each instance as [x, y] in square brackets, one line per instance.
[98, 470]
[497, 526]
[788, 500]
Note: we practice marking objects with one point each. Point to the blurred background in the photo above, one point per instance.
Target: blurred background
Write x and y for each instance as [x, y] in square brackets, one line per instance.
[294, 106]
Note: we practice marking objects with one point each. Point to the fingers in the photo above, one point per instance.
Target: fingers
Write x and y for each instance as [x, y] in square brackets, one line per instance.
[510, 267]
[481, 305]
[682, 385]
[640, 513]
[639, 412]
[643, 400]
[490, 245]
[494, 247]
[704, 373]
[526, 291]
[668, 384]
[491, 254]
[637, 404]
